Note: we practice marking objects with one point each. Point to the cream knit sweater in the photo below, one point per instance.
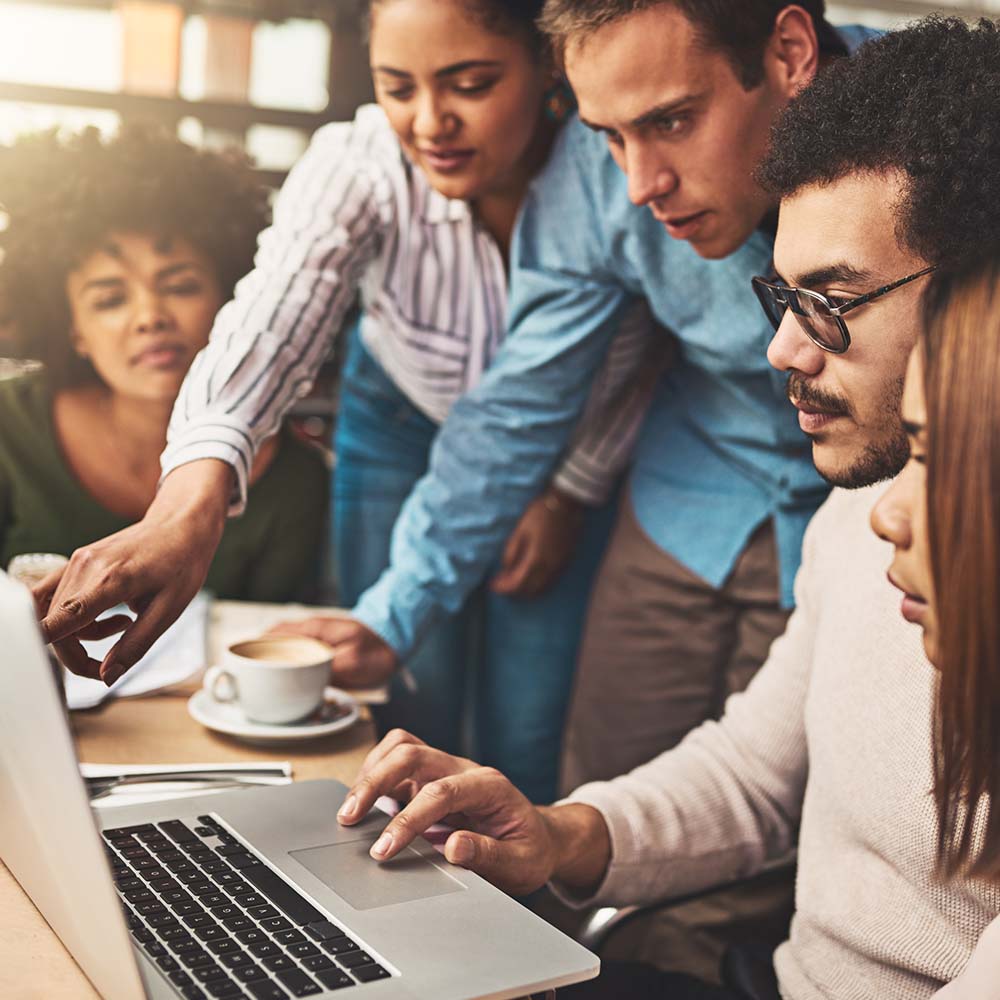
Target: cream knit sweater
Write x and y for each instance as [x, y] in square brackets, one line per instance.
[829, 746]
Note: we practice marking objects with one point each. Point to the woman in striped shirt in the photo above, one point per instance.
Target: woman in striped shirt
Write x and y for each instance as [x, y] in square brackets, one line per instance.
[413, 205]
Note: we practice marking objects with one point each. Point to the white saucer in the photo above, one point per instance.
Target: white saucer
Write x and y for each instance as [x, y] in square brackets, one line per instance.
[339, 712]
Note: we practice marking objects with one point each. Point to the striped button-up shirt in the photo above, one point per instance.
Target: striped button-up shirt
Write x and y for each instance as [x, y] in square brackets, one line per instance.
[356, 218]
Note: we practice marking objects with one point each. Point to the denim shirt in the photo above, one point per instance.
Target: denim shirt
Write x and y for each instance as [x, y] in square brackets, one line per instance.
[720, 452]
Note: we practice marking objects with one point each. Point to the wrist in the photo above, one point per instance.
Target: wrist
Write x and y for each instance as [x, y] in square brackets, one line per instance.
[556, 501]
[197, 492]
[581, 845]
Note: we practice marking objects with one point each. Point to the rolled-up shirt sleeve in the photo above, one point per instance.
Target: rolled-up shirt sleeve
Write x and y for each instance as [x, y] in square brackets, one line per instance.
[268, 343]
[501, 441]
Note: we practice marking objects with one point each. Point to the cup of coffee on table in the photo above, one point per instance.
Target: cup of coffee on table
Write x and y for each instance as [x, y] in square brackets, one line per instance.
[274, 679]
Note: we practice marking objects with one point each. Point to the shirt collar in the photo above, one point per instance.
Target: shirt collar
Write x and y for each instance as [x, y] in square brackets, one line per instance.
[436, 208]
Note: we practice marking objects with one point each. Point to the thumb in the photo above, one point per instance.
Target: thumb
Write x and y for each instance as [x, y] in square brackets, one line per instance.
[510, 570]
[494, 860]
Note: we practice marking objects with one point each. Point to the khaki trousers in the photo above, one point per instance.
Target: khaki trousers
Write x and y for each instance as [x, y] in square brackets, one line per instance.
[662, 649]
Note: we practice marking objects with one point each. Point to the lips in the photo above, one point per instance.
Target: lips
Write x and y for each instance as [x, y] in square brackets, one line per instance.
[162, 357]
[446, 160]
[913, 607]
[682, 227]
[812, 419]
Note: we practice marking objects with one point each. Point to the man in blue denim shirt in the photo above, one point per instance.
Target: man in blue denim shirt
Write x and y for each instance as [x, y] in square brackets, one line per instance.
[721, 460]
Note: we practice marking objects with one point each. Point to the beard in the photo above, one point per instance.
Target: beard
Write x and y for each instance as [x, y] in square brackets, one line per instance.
[878, 460]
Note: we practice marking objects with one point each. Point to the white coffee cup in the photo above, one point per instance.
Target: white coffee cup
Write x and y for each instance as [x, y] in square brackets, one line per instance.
[274, 679]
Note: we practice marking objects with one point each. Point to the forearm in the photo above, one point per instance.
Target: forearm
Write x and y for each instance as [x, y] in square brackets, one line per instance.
[197, 493]
[581, 844]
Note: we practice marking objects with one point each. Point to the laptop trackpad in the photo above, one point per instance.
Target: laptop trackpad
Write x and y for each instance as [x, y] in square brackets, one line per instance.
[351, 873]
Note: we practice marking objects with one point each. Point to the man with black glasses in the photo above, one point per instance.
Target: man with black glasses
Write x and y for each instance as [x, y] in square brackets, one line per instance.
[886, 168]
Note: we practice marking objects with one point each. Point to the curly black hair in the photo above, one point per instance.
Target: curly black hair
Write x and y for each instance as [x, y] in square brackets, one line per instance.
[922, 100]
[62, 196]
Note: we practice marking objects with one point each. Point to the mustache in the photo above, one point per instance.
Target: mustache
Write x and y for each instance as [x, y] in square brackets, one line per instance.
[800, 390]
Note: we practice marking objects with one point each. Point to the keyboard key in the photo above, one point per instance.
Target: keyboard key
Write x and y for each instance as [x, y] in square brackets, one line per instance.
[167, 963]
[187, 878]
[236, 959]
[209, 971]
[355, 958]
[138, 895]
[164, 885]
[278, 962]
[299, 983]
[249, 898]
[136, 853]
[260, 912]
[275, 924]
[239, 923]
[211, 867]
[192, 992]
[176, 831]
[173, 935]
[289, 937]
[204, 831]
[154, 949]
[209, 933]
[369, 973]
[334, 979]
[302, 949]
[222, 910]
[200, 889]
[340, 946]
[200, 919]
[207, 820]
[186, 909]
[142, 935]
[263, 948]
[213, 899]
[164, 919]
[171, 896]
[222, 945]
[250, 936]
[237, 888]
[241, 860]
[227, 850]
[223, 989]
[197, 957]
[267, 990]
[180, 978]
[185, 945]
[168, 854]
[225, 876]
[323, 931]
[276, 889]
[316, 962]
[144, 864]
[151, 908]
[249, 973]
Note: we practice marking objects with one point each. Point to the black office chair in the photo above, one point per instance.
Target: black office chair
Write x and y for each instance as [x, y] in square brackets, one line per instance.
[746, 969]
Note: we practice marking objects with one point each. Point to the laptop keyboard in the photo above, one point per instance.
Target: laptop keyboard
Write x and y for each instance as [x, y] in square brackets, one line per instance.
[220, 923]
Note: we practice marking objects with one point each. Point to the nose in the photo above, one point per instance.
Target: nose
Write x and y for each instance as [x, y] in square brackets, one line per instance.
[151, 313]
[432, 120]
[890, 517]
[649, 177]
[791, 350]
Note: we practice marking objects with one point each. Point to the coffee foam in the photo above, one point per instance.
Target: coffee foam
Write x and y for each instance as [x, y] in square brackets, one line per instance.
[283, 650]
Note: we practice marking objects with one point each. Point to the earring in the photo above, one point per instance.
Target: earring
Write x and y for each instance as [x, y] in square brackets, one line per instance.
[559, 101]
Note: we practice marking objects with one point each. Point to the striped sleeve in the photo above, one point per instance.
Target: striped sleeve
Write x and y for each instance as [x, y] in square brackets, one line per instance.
[605, 436]
[268, 343]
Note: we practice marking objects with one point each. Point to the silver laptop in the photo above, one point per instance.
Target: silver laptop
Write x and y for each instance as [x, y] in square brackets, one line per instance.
[255, 893]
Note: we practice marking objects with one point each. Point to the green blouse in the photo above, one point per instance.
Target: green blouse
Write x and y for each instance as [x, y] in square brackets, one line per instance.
[271, 553]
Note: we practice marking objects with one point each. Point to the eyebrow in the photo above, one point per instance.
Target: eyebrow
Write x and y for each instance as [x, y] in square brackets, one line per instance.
[167, 272]
[654, 114]
[459, 67]
[840, 272]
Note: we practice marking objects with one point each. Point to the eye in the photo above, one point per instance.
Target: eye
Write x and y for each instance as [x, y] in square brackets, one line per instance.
[614, 139]
[672, 124]
[474, 86]
[190, 287]
[109, 301]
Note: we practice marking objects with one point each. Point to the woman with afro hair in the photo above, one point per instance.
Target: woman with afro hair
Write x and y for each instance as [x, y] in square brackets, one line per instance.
[115, 256]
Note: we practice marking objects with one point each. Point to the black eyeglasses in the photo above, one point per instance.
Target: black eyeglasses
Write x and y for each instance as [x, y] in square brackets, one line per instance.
[821, 318]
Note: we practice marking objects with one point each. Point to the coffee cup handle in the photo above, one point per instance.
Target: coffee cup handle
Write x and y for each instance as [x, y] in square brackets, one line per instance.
[220, 684]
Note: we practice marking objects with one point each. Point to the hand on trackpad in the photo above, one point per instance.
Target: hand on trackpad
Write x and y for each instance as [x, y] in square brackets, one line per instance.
[350, 872]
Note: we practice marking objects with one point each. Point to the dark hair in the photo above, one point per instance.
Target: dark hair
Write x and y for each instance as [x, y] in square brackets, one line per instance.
[740, 29]
[961, 344]
[501, 17]
[62, 196]
[922, 101]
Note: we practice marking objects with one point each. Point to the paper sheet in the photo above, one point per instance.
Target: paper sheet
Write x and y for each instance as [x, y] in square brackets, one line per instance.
[176, 656]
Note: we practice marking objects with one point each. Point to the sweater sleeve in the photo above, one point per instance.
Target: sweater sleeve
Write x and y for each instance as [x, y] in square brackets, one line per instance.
[729, 797]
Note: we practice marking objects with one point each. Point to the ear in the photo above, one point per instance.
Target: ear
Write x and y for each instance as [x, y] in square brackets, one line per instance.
[791, 59]
[77, 341]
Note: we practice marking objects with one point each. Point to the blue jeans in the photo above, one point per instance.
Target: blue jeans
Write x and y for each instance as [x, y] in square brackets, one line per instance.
[494, 680]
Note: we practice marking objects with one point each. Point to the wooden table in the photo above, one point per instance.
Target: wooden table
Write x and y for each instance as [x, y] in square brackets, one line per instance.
[156, 729]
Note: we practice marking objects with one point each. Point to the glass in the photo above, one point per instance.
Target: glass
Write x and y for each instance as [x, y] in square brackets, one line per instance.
[820, 317]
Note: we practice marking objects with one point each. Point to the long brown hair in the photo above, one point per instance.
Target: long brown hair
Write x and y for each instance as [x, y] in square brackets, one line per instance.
[962, 383]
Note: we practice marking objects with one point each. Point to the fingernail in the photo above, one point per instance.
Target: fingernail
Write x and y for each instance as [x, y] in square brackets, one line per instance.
[462, 851]
[383, 845]
[110, 674]
[350, 804]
